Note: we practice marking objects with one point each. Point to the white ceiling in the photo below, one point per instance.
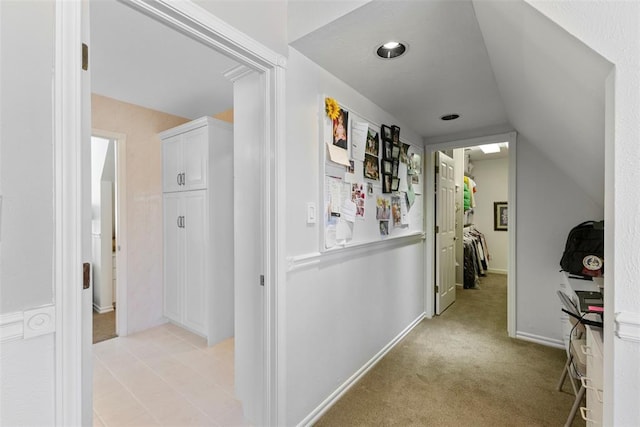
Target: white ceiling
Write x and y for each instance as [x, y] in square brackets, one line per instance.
[136, 59]
[500, 64]
[446, 69]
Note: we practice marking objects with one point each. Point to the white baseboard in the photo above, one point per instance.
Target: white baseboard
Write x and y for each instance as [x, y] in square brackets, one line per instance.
[549, 342]
[102, 310]
[315, 415]
[497, 271]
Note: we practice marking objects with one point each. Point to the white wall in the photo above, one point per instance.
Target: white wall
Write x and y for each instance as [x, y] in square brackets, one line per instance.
[26, 183]
[549, 205]
[611, 29]
[342, 312]
[492, 180]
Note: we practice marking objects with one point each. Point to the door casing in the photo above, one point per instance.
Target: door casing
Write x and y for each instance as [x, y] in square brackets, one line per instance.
[73, 391]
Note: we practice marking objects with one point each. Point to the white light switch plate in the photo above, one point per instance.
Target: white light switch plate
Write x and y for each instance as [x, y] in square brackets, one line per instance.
[311, 213]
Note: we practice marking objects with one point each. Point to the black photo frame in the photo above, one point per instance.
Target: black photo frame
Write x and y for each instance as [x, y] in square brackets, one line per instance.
[387, 150]
[395, 134]
[394, 168]
[395, 152]
[386, 183]
[387, 167]
[386, 133]
[395, 184]
[500, 216]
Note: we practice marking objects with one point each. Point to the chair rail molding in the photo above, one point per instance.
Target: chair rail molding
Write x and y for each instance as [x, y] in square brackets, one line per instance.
[628, 326]
[28, 323]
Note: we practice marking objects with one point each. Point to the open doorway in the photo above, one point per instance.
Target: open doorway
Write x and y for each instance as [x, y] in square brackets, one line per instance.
[103, 237]
[483, 189]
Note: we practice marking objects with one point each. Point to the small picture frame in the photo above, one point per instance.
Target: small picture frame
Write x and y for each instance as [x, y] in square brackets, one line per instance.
[386, 132]
[500, 216]
[394, 169]
[386, 183]
[395, 184]
[395, 152]
[387, 152]
[395, 132]
[387, 167]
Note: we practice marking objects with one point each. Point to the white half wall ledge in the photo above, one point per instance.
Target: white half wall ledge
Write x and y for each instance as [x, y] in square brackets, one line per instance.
[300, 262]
[628, 326]
[28, 323]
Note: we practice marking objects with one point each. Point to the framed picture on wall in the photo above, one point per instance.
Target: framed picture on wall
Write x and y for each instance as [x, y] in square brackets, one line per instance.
[386, 133]
[394, 170]
[387, 150]
[387, 167]
[386, 183]
[500, 216]
[395, 131]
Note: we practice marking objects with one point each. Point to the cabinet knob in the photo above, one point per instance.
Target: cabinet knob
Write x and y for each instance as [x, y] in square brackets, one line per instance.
[183, 178]
[178, 178]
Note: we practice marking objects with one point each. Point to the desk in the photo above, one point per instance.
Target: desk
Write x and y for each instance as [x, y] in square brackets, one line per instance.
[592, 381]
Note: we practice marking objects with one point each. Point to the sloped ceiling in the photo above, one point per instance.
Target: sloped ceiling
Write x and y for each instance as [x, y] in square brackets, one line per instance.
[446, 69]
[499, 64]
[552, 87]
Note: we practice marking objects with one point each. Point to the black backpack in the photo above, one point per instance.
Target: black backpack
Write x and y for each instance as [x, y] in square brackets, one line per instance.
[584, 251]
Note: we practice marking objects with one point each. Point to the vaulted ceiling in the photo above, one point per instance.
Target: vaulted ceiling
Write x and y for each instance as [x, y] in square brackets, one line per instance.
[500, 64]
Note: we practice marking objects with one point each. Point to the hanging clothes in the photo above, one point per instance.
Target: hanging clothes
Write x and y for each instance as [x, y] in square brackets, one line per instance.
[476, 256]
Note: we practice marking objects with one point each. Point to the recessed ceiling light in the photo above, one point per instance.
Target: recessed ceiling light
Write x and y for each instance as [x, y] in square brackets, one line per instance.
[490, 148]
[448, 117]
[391, 49]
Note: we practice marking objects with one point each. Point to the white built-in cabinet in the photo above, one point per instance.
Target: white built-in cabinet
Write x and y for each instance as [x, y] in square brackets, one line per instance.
[197, 163]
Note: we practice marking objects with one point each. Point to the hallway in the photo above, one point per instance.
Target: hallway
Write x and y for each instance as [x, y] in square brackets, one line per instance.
[461, 369]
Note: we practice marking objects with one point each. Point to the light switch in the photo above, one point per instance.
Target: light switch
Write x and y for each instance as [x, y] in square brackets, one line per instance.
[311, 213]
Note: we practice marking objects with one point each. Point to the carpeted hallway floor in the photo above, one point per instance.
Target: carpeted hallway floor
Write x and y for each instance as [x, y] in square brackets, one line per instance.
[461, 369]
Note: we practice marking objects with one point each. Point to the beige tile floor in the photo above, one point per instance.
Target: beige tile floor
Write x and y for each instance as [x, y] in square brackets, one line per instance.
[165, 376]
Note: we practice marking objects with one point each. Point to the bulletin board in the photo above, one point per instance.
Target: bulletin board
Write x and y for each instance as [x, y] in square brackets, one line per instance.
[372, 180]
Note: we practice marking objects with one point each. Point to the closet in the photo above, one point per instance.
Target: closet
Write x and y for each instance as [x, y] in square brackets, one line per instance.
[197, 163]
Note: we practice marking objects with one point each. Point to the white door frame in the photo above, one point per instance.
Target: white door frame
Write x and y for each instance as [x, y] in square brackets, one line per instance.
[199, 24]
[120, 144]
[430, 209]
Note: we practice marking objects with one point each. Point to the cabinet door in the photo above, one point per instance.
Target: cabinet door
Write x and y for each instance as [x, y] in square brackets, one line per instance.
[196, 232]
[173, 257]
[195, 158]
[172, 163]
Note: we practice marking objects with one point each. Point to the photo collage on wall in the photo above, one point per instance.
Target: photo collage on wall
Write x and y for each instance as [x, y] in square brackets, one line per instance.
[374, 165]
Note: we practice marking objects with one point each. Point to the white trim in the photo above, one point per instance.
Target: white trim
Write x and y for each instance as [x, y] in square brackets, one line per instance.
[628, 326]
[102, 310]
[300, 262]
[510, 137]
[326, 404]
[28, 323]
[120, 139]
[11, 327]
[549, 342]
[68, 213]
[497, 271]
[237, 72]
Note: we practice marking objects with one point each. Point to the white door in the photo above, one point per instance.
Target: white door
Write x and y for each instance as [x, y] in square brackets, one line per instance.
[173, 257]
[194, 158]
[248, 240]
[445, 232]
[87, 294]
[193, 226]
[171, 163]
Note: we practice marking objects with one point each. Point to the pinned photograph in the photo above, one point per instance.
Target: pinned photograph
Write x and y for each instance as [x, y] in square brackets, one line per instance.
[384, 228]
[396, 213]
[358, 197]
[371, 168]
[370, 189]
[340, 124]
[373, 143]
[383, 208]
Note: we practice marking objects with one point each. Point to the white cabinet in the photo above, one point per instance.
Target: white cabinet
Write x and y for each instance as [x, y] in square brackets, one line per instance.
[198, 230]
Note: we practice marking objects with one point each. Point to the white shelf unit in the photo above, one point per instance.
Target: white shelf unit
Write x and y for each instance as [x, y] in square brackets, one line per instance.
[197, 162]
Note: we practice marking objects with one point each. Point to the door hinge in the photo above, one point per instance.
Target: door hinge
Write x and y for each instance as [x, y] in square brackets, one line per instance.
[85, 57]
[437, 229]
[437, 289]
[262, 280]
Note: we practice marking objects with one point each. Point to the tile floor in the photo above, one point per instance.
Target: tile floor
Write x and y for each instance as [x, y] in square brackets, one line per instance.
[165, 376]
